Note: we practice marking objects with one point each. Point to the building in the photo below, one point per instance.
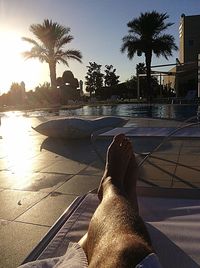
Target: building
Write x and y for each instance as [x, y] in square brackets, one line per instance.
[189, 36]
[186, 77]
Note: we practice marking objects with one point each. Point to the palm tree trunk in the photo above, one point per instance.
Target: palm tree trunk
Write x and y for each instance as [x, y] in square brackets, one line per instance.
[148, 56]
[52, 68]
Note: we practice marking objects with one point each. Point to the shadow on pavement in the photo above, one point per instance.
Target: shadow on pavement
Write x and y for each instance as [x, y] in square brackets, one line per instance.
[77, 150]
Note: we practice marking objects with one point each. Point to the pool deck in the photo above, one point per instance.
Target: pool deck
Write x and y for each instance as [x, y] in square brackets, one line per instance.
[36, 186]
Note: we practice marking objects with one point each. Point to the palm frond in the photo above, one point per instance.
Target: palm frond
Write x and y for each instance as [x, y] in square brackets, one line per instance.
[132, 45]
[28, 55]
[36, 52]
[61, 60]
[49, 33]
[145, 35]
[64, 41]
[70, 54]
[31, 41]
[149, 24]
[164, 45]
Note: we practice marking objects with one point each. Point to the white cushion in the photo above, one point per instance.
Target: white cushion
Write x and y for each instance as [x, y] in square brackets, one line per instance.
[77, 128]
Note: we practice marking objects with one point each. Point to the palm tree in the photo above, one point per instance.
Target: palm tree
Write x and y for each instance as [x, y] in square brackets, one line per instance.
[52, 37]
[145, 36]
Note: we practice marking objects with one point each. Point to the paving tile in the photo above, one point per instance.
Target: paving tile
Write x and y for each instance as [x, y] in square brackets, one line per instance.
[160, 162]
[145, 145]
[31, 181]
[169, 150]
[67, 166]
[170, 146]
[2, 153]
[98, 164]
[14, 203]
[30, 165]
[154, 173]
[165, 183]
[76, 150]
[141, 183]
[3, 223]
[46, 182]
[95, 168]
[190, 160]
[191, 143]
[6, 179]
[51, 207]
[19, 150]
[193, 180]
[46, 155]
[80, 184]
[172, 157]
[17, 240]
[190, 150]
[187, 174]
[4, 164]
[179, 184]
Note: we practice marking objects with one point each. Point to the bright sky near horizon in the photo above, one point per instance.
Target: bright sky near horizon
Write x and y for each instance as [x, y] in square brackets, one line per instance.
[97, 27]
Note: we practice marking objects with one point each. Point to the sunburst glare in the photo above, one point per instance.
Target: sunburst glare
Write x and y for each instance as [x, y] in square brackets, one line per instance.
[13, 67]
[18, 147]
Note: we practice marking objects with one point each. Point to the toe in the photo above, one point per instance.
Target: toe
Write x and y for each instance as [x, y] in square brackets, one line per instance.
[119, 138]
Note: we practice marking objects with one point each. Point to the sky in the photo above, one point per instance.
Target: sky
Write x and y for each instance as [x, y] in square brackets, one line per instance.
[97, 26]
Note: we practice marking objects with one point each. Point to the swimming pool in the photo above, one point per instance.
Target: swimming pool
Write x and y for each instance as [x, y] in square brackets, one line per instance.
[161, 111]
[177, 112]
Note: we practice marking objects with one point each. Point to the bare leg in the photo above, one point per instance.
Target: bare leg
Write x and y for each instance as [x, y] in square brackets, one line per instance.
[130, 182]
[118, 154]
[116, 226]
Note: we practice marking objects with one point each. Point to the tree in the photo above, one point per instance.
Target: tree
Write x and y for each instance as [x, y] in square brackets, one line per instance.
[110, 78]
[43, 94]
[44, 87]
[52, 37]
[145, 36]
[17, 93]
[94, 78]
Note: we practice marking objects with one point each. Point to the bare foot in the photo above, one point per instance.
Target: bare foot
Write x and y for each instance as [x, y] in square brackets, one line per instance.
[130, 182]
[118, 155]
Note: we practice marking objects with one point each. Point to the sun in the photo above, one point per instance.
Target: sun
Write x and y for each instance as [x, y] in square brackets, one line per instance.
[13, 67]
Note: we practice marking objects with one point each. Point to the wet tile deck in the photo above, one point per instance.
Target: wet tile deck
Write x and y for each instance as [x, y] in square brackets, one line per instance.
[36, 186]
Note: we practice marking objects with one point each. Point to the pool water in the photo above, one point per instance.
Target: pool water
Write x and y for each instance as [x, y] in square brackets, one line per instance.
[177, 112]
[161, 111]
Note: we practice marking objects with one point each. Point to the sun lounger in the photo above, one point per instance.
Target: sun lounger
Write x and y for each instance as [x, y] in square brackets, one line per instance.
[172, 217]
[192, 132]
